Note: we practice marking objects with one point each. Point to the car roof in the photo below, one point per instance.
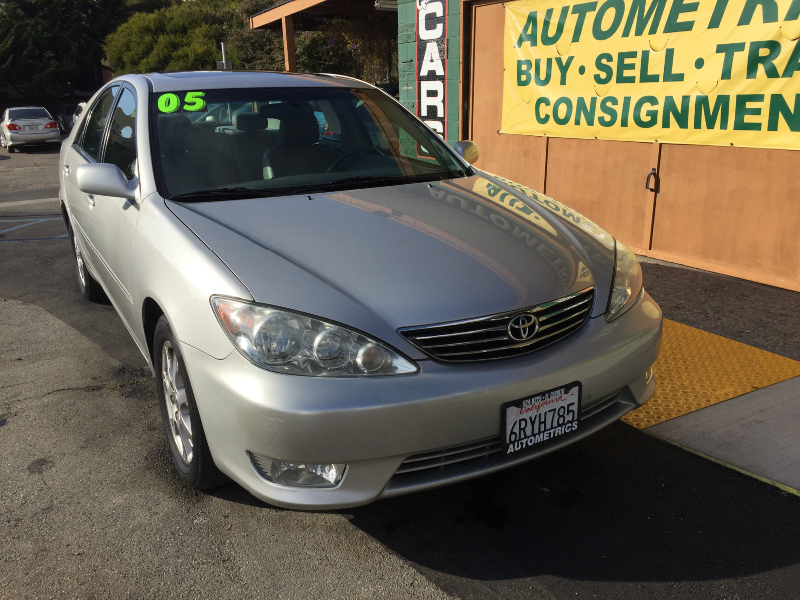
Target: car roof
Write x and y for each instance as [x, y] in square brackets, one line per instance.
[192, 80]
[16, 107]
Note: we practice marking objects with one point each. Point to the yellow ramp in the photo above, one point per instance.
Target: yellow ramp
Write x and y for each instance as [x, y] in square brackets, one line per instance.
[697, 369]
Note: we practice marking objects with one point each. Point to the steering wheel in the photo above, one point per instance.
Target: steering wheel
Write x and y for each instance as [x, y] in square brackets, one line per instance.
[361, 150]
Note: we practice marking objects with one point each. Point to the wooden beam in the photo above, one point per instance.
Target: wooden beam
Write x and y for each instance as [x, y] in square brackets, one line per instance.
[282, 11]
[289, 58]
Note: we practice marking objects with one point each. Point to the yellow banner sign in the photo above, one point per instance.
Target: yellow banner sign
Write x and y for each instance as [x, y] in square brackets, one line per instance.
[717, 72]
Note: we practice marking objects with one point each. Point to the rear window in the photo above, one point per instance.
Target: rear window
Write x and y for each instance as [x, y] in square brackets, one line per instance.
[28, 113]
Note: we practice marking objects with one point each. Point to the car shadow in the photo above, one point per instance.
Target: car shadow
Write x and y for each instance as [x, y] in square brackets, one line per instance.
[619, 506]
[48, 149]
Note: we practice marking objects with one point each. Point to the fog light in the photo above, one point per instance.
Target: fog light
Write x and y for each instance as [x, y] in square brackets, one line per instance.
[296, 474]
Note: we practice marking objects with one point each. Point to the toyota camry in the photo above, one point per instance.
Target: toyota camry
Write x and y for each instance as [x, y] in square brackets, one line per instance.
[337, 306]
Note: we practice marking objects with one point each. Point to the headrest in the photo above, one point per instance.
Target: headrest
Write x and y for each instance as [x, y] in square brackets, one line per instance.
[302, 131]
[283, 110]
[175, 132]
[248, 121]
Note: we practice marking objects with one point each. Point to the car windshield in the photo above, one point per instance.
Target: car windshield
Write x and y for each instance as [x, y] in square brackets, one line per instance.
[28, 113]
[255, 142]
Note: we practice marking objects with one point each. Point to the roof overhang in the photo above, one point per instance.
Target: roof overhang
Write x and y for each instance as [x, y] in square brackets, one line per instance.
[312, 14]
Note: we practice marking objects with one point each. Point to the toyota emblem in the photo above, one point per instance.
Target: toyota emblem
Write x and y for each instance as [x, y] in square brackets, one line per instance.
[523, 327]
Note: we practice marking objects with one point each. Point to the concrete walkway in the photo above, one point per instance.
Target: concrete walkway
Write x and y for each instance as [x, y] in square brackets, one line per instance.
[758, 433]
[728, 384]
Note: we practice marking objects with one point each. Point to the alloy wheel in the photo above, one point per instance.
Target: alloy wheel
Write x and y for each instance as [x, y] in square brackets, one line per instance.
[177, 403]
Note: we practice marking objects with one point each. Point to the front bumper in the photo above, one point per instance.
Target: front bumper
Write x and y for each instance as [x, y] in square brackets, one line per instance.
[374, 424]
[52, 136]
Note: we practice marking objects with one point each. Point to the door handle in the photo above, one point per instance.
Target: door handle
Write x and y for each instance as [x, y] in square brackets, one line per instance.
[66, 169]
[654, 175]
[90, 199]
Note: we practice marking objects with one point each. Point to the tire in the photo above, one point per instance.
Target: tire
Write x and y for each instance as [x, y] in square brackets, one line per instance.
[182, 426]
[90, 289]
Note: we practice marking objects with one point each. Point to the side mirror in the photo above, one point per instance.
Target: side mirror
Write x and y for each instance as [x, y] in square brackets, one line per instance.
[78, 110]
[104, 179]
[467, 150]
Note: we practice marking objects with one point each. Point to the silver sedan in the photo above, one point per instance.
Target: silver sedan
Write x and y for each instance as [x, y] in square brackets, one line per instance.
[340, 314]
[28, 126]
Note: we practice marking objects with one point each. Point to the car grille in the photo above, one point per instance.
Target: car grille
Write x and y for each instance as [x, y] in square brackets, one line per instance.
[488, 338]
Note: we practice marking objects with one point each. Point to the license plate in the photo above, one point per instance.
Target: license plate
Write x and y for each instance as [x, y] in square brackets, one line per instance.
[32, 127]
[541, 417]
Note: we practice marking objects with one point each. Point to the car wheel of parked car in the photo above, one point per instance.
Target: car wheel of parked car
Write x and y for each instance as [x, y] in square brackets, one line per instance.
[90, 289]
[182, 425]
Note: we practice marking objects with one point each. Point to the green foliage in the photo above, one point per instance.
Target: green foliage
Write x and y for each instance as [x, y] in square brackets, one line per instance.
[255, 49]
[181, 37]
[147, 6]
[49, 47]
[366, 49]
[318, 53]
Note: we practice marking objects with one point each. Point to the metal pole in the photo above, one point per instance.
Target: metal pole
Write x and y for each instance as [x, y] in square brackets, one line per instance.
[223, 53]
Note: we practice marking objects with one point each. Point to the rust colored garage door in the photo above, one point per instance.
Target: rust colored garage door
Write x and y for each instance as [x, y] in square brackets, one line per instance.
[730, 210]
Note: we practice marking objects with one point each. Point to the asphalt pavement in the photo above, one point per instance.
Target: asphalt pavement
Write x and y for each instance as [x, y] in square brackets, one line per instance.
[90, 508]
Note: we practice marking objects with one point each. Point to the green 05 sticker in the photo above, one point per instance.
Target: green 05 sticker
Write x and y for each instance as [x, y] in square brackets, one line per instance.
[192, 102]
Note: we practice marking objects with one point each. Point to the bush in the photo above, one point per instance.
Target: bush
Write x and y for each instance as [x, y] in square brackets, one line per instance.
[180, 37]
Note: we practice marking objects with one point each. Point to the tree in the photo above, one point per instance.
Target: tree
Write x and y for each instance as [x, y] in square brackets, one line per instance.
[50, 47]
[348, 47]
[180, 37]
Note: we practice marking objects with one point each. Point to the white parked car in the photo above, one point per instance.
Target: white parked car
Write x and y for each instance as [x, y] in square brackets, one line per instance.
[28, 126]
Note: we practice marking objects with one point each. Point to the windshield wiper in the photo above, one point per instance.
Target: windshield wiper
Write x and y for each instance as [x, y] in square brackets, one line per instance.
[363, 181]
[236, 193]
[223, 193]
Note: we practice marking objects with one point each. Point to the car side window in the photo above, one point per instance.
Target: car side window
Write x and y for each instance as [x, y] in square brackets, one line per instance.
[121, 145]
[96, 123]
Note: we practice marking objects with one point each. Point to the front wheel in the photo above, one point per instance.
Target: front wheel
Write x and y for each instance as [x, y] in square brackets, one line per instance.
[182, 425]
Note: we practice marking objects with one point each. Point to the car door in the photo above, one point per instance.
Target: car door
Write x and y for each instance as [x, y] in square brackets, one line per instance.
[116, 218]
[85, 149]
[111, 221]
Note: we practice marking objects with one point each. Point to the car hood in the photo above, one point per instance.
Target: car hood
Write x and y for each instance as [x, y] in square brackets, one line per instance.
[383, 258]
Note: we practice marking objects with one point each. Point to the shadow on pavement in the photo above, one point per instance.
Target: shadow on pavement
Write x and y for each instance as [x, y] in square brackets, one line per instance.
[724, 306]
[43, 273]
[619, 506]
[49, 149]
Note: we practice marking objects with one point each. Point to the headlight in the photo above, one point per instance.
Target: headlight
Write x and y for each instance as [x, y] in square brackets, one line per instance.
[627, 286]
[288, 342]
